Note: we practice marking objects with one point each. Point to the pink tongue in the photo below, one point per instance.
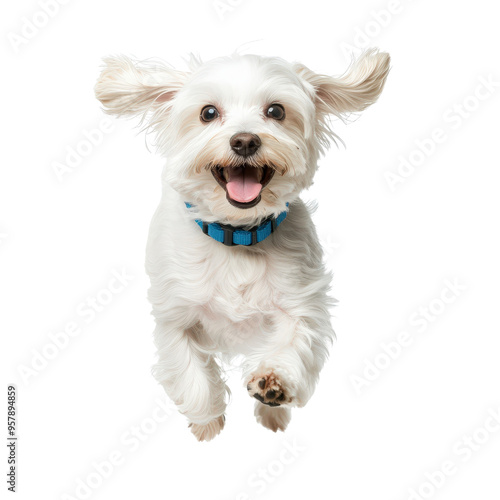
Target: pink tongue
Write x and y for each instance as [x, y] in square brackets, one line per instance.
[243, 185]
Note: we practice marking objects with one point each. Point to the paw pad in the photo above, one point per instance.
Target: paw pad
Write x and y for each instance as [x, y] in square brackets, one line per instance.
[267, 389]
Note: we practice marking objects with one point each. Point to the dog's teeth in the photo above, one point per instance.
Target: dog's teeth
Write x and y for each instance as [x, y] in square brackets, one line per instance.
[225, 174]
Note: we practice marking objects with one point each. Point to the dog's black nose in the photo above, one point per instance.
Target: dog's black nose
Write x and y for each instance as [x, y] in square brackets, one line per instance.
[245, 144]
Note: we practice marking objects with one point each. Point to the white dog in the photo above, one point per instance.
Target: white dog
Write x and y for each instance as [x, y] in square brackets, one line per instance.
[233, 256]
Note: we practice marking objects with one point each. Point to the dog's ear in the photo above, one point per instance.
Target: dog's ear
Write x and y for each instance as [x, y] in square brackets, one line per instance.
[355, 90]
[126, 87]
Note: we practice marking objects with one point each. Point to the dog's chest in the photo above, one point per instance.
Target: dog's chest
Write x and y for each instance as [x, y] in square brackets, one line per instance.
[239, 288]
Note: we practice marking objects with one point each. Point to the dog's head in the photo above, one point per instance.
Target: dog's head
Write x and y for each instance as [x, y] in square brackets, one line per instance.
[242, 134]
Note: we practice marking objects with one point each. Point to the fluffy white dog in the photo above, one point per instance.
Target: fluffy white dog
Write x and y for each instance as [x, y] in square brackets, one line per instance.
[233, 256]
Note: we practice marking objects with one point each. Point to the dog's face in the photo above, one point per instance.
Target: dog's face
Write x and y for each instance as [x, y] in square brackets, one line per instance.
[242, 134]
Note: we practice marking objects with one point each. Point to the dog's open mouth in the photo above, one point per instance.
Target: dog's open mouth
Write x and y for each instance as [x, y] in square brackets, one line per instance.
[243, 184]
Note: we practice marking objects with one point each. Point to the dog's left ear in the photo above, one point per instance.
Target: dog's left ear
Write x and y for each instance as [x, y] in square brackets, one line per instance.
[355, 90]
[127, 87]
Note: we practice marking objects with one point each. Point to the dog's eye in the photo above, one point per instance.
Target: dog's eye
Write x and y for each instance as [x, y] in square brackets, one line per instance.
[276, 111]
[209, 113]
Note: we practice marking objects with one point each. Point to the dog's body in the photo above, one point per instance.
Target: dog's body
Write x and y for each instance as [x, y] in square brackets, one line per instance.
[226, 129]
[267, 302]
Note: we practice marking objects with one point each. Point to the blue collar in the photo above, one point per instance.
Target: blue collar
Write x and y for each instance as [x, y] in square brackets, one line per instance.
[232, 235]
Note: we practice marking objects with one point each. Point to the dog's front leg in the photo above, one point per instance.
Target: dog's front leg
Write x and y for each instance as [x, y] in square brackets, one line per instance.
[191, 378]
[285, 374]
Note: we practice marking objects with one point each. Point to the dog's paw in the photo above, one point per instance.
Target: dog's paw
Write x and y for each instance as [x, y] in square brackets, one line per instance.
[276, 419]
[206, 432]
[267, 388]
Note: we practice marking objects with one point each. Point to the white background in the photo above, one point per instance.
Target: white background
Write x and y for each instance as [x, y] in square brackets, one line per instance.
[391, 251]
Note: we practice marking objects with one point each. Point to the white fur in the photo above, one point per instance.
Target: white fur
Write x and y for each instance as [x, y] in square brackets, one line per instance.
[268, 303]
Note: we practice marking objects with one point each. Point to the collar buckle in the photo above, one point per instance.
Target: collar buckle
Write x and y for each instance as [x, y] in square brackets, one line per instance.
[228, 234]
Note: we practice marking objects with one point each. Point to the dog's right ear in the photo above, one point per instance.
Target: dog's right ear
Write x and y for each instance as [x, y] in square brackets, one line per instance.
[126, 87]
